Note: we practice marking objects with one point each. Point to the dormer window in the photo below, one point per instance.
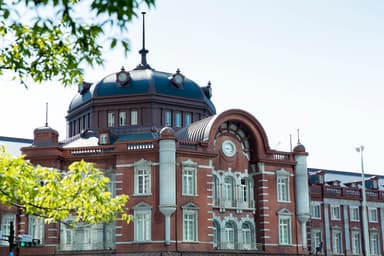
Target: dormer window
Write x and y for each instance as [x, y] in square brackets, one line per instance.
[103, 138]
[178, 79]
[123, 77]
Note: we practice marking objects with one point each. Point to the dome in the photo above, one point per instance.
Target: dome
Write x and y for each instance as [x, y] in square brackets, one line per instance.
[143, 81]
[299, 148]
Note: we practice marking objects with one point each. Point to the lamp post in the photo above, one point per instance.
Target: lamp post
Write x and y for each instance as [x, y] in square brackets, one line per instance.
[360, 149]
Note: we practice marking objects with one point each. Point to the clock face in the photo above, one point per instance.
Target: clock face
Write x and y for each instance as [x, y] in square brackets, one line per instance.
[228, 148]
[122, 77]
[178, 79]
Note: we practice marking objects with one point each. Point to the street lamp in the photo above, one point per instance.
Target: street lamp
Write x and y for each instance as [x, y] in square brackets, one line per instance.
[360, 149]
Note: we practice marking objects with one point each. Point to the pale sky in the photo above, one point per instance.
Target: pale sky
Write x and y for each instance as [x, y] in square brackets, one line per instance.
[316, 66]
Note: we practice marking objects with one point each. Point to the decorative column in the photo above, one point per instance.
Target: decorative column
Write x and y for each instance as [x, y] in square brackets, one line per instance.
[302, 191]
[167, 155]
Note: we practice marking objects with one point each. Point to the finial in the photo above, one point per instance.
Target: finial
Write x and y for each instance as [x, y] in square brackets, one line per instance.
[46, 114]
[298, 136]
[143, 52]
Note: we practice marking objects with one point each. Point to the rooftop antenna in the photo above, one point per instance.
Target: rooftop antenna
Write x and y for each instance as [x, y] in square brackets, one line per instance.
[143, 52]
[290, 142]
[46, 114]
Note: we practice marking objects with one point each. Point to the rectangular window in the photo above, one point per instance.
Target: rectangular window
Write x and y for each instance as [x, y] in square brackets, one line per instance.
[316, 242]
[337, 242]
[284, 230]
[188, 119]
[189, 181]
[355, 214]
[168, 118]
[142, 225]
[142, 182]
[36, 227]
[315, 211]
[6, 220]
[372, 215]
[134, 117]
[122, 119]
[228, 188]
[189, 225]
[356, 243]
[335, 212]
[111, 119]
[374, 243]
[283, 189]
[177, 119]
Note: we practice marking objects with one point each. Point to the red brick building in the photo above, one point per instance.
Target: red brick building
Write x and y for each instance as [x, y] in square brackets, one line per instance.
[198, 181]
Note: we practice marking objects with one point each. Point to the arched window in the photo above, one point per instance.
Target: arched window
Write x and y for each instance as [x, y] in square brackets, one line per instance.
[216, 234]
[229, 235]
[246, 235]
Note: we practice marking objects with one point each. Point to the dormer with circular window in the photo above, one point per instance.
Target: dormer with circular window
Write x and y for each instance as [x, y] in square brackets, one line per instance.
[123, 77]
[178, 79]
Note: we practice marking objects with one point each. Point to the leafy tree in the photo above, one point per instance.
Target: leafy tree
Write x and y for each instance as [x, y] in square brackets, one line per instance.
[79, 194]
[46, 39]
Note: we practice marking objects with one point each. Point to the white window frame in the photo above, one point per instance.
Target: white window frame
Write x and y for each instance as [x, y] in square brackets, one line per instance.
[283, 191]
[122, 118]
[229, 235]
[142, 224]
[189, 180]
[190, 225]
[354, 213]
[6, 219]
[316, 241]
[285, 230]
[246, 235]
[316, 211]
[373, 215]
[374, 243]
[335, 212]
[337, 241]
[143, 179]
[356, 242]
[134, 117]
[111, 119]
[36, 227]
[228, 187]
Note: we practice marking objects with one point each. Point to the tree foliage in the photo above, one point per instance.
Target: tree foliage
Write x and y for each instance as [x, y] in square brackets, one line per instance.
[77, 195]
[46, 39]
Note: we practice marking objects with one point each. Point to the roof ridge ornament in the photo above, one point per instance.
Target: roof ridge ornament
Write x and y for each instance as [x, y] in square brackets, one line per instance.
[143, 52]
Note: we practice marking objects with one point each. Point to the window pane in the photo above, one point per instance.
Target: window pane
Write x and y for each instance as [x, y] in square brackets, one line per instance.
[134, 120]
[168, 118]
[111, 119]
[188, 119]
[189, 181]
[189, 226]
[143, 226]
[282, 189]
[122, 118]
[178, 119]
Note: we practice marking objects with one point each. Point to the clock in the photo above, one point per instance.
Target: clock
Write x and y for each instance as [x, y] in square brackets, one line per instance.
[228, 148]
[122, 77]
[178, 79]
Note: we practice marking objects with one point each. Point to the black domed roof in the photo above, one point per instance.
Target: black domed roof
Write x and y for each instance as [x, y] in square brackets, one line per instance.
[142, 81]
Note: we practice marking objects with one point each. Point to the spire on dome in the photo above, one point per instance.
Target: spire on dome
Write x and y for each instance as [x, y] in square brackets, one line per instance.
[143, 52]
